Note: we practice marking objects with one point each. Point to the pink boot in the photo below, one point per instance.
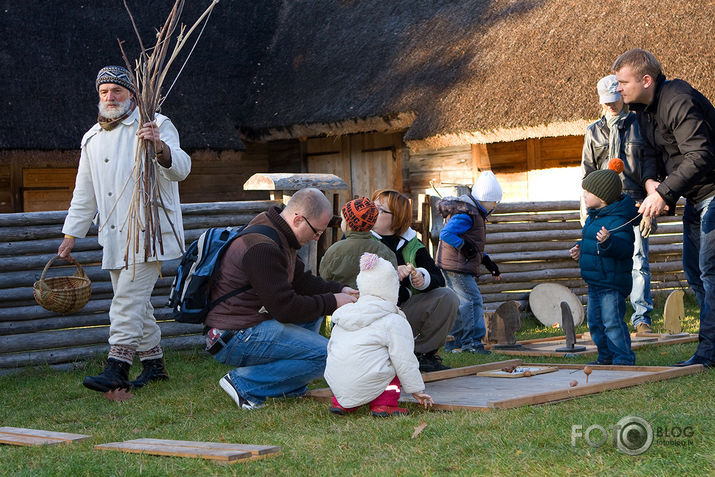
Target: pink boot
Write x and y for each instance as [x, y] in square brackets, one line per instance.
[336, 408]
[387, 411]
[385, 405]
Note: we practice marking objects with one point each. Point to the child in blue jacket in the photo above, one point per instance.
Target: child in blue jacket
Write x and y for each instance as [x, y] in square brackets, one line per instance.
[459, 255]
[605, 258]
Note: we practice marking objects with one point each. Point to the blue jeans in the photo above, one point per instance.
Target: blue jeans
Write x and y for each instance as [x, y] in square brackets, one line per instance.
[468, 328]
[699, 267]
[640, 293]
[275, 359]
[605, 311]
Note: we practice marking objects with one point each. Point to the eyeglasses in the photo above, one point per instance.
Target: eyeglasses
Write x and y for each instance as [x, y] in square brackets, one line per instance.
[316, 233]
[383, 211]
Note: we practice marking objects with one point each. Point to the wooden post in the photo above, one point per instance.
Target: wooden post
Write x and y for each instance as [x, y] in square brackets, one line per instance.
[283, 185]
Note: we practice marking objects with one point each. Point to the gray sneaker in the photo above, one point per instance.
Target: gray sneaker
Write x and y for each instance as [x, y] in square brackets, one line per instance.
[242, 403]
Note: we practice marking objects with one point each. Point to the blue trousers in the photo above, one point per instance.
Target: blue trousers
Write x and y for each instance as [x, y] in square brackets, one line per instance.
[275, 359]
[605, 311]
[468, 328]
[640, 293]
[699, 267]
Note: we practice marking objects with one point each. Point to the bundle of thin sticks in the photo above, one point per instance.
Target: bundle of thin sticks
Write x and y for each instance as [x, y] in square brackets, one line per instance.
[148, 75]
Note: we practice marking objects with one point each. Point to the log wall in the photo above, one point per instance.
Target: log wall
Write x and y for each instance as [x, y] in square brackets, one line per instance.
[529, 241]
[31, 335]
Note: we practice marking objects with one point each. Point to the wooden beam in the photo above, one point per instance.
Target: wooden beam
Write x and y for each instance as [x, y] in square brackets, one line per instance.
[480, 157]
[293, 182]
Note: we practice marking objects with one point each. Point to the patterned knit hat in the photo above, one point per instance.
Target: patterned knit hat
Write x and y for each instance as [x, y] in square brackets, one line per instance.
[116, 75]
[360, 214]
[605, 183]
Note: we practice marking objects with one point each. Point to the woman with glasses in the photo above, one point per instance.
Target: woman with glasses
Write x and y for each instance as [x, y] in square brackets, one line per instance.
[429, 306]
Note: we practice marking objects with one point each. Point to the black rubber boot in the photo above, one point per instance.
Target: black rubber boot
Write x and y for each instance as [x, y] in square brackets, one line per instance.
[154, 370]
[430, 362]
[114, 376]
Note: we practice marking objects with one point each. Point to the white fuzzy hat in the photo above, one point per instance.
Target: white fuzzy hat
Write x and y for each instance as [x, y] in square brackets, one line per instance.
[487, 188]
[378, 278]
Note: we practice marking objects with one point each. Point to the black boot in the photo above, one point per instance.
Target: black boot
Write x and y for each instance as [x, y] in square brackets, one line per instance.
[114, 376]
[154, 370]
[430, 362]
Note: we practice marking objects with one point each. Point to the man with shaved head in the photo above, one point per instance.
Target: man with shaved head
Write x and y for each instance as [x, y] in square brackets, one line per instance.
[270, 331]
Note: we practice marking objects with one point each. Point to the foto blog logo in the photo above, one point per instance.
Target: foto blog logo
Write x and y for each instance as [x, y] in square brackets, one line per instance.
[631, 435]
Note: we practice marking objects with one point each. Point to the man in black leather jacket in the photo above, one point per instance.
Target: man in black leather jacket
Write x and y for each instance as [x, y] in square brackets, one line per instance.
[679, 123]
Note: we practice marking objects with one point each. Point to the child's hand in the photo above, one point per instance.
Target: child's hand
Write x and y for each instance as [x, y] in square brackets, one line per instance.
[575, 252]
[424, 399]
[403, 271]
[602, 235]
[416, 278]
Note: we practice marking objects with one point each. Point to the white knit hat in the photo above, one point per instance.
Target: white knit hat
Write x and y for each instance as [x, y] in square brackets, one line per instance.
[378, 278]
[487, 188]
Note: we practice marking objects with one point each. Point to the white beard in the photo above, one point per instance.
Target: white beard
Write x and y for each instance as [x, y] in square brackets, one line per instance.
[113, 113]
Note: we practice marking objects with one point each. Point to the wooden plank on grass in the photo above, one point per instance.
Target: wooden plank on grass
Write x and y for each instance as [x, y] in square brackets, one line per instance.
[37, 437]
[253, 449]
[570, 392]
[479, 393]
[219, 451]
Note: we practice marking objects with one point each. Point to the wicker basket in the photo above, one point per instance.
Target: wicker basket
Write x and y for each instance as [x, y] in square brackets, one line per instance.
[63, 294]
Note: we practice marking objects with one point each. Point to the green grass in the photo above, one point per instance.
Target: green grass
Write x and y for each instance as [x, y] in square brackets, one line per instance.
[532, 440]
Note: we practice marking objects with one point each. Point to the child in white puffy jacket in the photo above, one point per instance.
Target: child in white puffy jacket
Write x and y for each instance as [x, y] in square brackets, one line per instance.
[371, 348]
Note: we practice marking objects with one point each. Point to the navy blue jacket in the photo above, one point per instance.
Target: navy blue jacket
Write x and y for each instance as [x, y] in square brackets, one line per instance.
[609, 264]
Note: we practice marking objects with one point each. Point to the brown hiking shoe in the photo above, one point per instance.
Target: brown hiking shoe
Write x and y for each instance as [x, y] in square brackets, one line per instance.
[644, 328]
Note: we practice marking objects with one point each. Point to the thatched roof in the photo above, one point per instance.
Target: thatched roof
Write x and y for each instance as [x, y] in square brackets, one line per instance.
[446, 72]
[463, 72]
[50, 53]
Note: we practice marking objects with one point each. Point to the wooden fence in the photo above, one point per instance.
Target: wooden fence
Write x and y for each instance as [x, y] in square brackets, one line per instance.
[31, 335]
[529, 241]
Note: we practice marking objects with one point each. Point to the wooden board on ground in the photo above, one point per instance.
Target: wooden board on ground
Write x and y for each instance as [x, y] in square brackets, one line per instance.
[19, 436]
[519, 372]
[674, 312]
[548, 346]
[219, 451]
[462, 388]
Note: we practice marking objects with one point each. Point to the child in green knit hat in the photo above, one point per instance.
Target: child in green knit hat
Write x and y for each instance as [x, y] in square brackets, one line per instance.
[605, 255]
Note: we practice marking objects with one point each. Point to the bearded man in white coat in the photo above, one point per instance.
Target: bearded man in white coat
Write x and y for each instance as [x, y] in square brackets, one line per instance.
[103, 193]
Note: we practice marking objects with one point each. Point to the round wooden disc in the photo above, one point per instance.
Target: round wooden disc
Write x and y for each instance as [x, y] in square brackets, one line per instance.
[545, 303]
